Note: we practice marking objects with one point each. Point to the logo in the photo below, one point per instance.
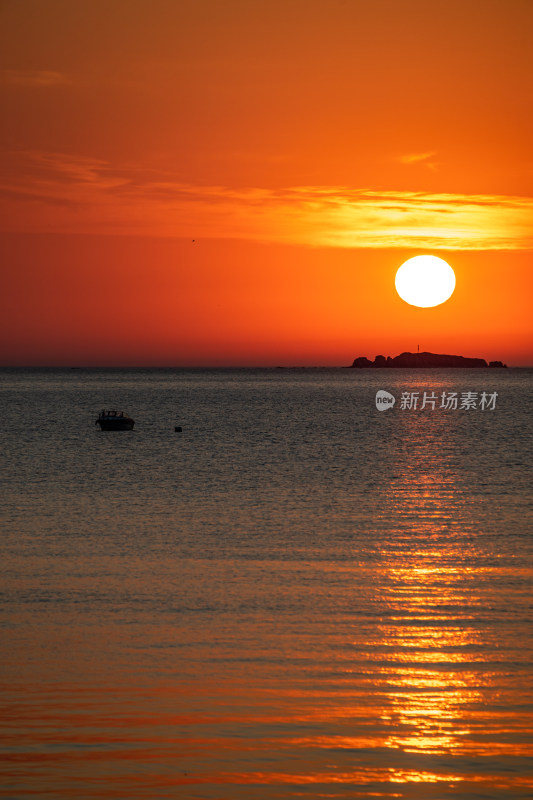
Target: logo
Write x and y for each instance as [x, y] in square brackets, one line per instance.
[421, 401]
[384, 400]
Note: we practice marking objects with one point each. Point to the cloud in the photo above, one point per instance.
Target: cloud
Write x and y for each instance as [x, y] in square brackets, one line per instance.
[60, 168]
[425, 159]
[67, 194]
[415, 158]
[33, 78]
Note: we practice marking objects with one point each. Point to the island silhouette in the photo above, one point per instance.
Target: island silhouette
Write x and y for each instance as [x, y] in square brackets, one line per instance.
[426, 360]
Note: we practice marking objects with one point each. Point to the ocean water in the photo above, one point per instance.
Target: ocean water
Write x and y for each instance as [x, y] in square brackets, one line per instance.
[299, 596]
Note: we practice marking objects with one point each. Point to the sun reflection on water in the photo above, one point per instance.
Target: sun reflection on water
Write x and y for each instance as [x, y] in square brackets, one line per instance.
[432, 647]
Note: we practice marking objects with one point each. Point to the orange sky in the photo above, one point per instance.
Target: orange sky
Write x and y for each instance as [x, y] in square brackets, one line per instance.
[308, 148]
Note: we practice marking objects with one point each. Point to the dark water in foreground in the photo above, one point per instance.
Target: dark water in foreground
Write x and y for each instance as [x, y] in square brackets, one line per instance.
[298, 596]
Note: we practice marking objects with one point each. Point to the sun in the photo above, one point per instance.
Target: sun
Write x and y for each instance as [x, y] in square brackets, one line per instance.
[425, 281]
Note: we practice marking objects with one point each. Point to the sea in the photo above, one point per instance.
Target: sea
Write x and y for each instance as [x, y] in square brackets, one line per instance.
[299, 595]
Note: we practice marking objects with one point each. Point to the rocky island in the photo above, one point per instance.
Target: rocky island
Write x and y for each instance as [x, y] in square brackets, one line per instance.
[424, 360]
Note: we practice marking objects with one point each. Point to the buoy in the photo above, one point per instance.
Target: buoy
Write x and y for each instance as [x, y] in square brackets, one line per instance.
[178, 429]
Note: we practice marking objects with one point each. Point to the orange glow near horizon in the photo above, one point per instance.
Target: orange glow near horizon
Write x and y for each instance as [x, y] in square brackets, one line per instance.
[204, 187]
[331, 305]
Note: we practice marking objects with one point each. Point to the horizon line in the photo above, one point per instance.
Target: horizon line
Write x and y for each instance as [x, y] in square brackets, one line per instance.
[231, 366]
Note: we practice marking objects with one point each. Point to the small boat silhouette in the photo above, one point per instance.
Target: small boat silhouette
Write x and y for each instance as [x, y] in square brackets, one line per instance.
[114, 421]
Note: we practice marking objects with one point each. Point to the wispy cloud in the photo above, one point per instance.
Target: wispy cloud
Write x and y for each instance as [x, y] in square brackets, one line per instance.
[415, 158]
[33, 78]
[64, 193]
[425, 159]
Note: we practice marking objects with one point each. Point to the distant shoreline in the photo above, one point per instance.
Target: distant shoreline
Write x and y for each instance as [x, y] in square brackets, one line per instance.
[227, 368]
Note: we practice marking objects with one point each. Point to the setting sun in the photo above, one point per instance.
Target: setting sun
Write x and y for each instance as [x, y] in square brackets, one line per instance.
[425, 281]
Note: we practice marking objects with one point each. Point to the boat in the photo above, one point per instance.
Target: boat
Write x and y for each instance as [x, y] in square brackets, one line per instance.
[114, 421]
